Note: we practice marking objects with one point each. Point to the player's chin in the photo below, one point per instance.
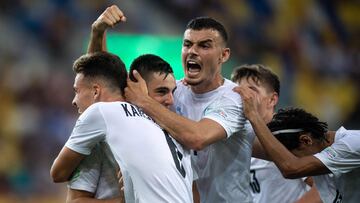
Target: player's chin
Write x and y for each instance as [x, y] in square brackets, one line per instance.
[192, 81]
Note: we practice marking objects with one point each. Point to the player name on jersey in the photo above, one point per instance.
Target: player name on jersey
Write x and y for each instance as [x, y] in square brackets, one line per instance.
[132, 111]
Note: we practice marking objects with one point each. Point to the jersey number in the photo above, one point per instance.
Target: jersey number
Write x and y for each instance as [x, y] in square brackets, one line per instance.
[338, 198]
[176, 154]
[254, 183]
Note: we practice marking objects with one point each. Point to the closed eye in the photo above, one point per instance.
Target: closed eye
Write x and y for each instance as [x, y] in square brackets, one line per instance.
[162, 90]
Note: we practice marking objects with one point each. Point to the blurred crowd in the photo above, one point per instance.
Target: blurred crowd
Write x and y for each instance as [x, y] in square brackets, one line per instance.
[312, 45]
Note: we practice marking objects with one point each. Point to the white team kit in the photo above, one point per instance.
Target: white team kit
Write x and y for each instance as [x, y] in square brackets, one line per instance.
[96, 174]
[222, 169]
[157, 165]
[269, 186]
[342, 158]
[325, 185]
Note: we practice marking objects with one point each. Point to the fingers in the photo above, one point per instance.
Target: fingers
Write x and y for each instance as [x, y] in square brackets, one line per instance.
[137, 76]
[121, 15]
[119, 175]
[110, 17]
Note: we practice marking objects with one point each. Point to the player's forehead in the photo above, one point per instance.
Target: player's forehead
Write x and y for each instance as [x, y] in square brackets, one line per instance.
[197, 36]
[80, 81]
[161, 79]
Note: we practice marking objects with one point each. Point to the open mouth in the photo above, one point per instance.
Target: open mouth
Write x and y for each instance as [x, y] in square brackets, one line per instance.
[193, 67]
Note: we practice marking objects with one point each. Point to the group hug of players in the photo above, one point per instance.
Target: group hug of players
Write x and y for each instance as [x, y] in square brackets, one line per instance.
[142, 136]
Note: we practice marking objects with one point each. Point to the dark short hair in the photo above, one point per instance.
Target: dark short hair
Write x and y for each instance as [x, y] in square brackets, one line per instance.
[205, 22]
[259, 73]
[103, 65]
[289, 123]
[149, 63]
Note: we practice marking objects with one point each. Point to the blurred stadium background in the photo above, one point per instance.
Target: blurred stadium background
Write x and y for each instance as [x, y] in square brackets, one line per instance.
[312, 44]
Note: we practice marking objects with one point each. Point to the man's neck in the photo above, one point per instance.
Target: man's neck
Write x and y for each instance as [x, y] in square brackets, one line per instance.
[112, 97]
[330, 137]
[207, 87]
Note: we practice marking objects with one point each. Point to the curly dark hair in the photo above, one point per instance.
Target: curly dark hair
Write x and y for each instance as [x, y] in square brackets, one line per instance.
[299, 121]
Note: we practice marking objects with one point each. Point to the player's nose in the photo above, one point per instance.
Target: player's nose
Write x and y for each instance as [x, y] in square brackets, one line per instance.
[169, 99]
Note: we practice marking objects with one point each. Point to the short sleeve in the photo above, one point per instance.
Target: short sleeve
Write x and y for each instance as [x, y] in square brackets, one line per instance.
[227, 113]
[342, 156]
[89, 130]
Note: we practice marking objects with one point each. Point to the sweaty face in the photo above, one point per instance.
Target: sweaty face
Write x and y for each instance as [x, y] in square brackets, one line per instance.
[84, 94]
[161, 88]
[266, 107]
[202, 56]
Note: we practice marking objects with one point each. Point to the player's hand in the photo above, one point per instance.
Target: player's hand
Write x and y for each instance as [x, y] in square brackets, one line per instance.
[250, 101]
[121, 187]
[109, 18]
[136, 92]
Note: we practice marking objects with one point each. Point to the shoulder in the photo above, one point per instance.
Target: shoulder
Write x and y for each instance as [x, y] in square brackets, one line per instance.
[347, 138]
[227, 97]
[229, 93]
[180, 87]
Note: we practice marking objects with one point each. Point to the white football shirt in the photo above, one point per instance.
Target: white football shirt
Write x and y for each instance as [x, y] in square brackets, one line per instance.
[96, 174]
[223, 168]
[325, 185]
[269, 186]
[159, 168]
[342, 158]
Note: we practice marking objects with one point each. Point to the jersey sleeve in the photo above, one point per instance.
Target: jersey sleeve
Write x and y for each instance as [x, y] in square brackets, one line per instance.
[87, 174]
[228, 113]
[342, 156]
[89, 130]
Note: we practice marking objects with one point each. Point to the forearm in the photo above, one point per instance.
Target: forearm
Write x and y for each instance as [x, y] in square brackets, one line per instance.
[185, 131]
[258, 151]
[277, 152]
[64, 165]
[97, 41]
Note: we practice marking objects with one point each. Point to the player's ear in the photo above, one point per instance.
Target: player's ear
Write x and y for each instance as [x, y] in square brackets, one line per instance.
[306, 139]
[96, 91]
[274, 99]
[225, 54]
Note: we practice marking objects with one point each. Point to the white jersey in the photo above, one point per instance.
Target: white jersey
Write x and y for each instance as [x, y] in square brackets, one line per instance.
[159, 168]
[342, 158]
[96, 174]
[269, 186]
[325, 185]
[222, 168]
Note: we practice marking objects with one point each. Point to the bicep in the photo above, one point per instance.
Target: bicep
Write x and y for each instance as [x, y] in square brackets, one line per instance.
[65, 164]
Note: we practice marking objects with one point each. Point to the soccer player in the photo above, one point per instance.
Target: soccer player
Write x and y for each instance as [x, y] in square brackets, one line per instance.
[158, 167]
[95, 176]
[267, 183]
[300, 145]
[214, 111]
[208, 116]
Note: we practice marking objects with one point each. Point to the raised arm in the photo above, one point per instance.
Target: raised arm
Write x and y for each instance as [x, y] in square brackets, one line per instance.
[289, 165]
[192, 134]
[109, 18]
